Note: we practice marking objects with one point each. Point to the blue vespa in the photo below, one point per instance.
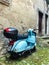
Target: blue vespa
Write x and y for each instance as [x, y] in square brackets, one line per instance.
[20, 43]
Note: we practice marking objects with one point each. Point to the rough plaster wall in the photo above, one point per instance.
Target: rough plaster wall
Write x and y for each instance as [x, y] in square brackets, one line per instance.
[41, 5]
[6, 2]
[20, 14]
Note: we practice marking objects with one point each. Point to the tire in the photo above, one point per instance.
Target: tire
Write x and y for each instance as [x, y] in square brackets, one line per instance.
[34, 49]
[14, 55]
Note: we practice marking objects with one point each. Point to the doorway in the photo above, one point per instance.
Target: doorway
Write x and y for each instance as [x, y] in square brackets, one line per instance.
[40, 14]
[46, 17]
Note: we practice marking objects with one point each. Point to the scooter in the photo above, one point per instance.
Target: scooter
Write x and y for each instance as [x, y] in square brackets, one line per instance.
[20, 43]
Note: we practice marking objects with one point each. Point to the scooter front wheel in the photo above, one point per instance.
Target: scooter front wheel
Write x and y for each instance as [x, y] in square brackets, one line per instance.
[34, 49]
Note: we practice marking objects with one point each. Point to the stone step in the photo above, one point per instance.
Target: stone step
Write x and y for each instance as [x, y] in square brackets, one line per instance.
[43, 37]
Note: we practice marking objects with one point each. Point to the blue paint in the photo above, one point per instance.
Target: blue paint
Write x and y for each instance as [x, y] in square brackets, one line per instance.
[25, 44]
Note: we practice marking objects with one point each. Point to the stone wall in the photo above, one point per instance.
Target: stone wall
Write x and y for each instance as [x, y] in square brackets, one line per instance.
[21, 14]
[6, 2]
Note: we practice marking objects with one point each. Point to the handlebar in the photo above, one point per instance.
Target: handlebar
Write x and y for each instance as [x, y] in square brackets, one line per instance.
[35, 29]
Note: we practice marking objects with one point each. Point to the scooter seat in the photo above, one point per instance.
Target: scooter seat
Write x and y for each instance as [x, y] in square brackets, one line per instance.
[21, 36]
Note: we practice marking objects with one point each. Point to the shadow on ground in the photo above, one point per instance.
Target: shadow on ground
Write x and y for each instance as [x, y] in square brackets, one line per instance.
[17, 57]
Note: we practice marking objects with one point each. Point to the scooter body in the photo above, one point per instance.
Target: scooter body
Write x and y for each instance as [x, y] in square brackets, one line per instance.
[25, 44]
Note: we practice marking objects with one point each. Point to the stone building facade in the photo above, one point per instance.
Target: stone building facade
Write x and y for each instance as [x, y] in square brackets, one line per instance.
[24, 14]
[42, 17]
